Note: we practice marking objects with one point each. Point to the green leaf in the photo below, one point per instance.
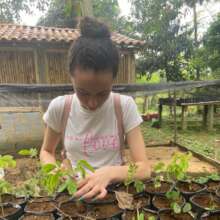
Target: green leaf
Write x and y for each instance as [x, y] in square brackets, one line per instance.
[173, 195]
[71, 186]
[187, 207]
[214, 176]
[159, 167]
[139, 186]
[47, 168]
[85, 164]
[24, 152]
[32, 152]
[140, 216]
[62, 187]
[176, 207]
[151, 218]
[7, 161]
[201, 180]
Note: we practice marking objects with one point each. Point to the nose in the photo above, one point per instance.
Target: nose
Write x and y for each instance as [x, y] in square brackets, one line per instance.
[92, 104]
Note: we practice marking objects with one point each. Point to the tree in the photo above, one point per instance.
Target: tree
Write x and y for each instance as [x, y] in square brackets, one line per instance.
[167, 41]
[10, 10]
[60, 14]
[212, 45]
[65, 13]
[193, 5]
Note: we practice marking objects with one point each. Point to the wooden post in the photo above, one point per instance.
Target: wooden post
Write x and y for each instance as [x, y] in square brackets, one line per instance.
[175, 121]
[86, 8]
[145, 104]
[160, 111]
[183, 117]
[217, 150]
[205, 114]
[41, 71]
[210, 117]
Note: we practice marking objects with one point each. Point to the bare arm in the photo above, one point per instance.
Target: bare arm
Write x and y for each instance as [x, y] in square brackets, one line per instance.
[51, 140]
[95, 184]
[138, 155]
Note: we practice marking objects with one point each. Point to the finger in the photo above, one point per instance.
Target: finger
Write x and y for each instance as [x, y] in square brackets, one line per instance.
[85, 189]
[82, 182]
[102, 194]
[92, 193]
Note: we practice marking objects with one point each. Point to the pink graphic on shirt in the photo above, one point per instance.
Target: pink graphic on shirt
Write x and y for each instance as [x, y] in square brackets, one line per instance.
[92, 143]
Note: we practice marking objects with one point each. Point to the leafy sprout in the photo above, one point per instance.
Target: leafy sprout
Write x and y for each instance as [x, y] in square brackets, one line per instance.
[32, 152]
[138, 184]
[7, 161]
[175, 197]
[82, 166]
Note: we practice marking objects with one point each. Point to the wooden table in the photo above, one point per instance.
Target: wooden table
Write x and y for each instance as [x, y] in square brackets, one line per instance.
[208, 112]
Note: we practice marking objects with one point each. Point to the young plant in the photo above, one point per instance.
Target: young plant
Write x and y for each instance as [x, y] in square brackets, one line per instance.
[140, 216]
[50, 177]
[175, 197]
[6, 161]
[32, 152]
[177, 169]
[30, 187]
[205, 179]
[173, 172]
[159, 170]
[82, 166]
[138, 184]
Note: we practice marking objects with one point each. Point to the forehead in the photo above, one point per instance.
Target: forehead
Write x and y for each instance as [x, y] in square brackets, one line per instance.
[92, 81]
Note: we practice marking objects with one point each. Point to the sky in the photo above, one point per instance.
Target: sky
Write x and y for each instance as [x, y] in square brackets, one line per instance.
[206, 14]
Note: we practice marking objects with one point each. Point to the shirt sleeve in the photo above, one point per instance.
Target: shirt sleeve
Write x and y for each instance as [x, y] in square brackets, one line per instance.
[131, 116]
[53, 116]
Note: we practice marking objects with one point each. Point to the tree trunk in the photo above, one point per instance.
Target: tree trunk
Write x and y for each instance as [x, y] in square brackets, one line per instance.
[86, 8]
[195, 24]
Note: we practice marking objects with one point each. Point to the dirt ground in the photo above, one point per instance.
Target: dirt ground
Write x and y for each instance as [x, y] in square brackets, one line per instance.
[26, 167]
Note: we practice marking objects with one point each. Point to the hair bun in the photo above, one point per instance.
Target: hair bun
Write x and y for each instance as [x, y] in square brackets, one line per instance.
[91, 28]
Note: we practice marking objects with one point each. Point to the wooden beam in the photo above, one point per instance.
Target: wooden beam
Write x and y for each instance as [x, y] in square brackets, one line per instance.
[160, 111]
[183, 118]
[145, 104]
[201, 103]
[19, 109]
[205, 115]
[210, 117]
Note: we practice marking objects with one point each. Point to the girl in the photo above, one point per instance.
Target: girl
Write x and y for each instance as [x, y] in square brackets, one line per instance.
[95, 115]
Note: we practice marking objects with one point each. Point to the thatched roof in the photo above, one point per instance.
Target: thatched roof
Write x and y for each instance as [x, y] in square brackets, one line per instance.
[23, 33]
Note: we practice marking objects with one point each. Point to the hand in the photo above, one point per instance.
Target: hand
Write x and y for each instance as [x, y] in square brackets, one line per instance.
[94, 185]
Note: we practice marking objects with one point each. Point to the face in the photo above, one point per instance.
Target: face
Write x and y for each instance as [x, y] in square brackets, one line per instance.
[92, 88]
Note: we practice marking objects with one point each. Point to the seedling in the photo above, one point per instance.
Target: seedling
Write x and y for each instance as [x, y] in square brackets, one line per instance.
[6, 161]
[138, 184]
[140, 216]
[82, 166]
[212, 204]
[205, 179]
[50, 177]
[30, 187]
[175, 197]
[174, 171]
[32, 152]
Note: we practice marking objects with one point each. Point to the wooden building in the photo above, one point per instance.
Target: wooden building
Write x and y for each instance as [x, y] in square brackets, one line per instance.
[31, 55]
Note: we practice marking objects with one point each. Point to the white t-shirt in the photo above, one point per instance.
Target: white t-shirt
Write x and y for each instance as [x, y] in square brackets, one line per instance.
[93, 135]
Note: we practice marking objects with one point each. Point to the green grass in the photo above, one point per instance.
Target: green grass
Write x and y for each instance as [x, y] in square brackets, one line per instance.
[195, 137]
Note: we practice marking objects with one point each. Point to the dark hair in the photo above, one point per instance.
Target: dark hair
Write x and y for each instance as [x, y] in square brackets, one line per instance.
[94, 49]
